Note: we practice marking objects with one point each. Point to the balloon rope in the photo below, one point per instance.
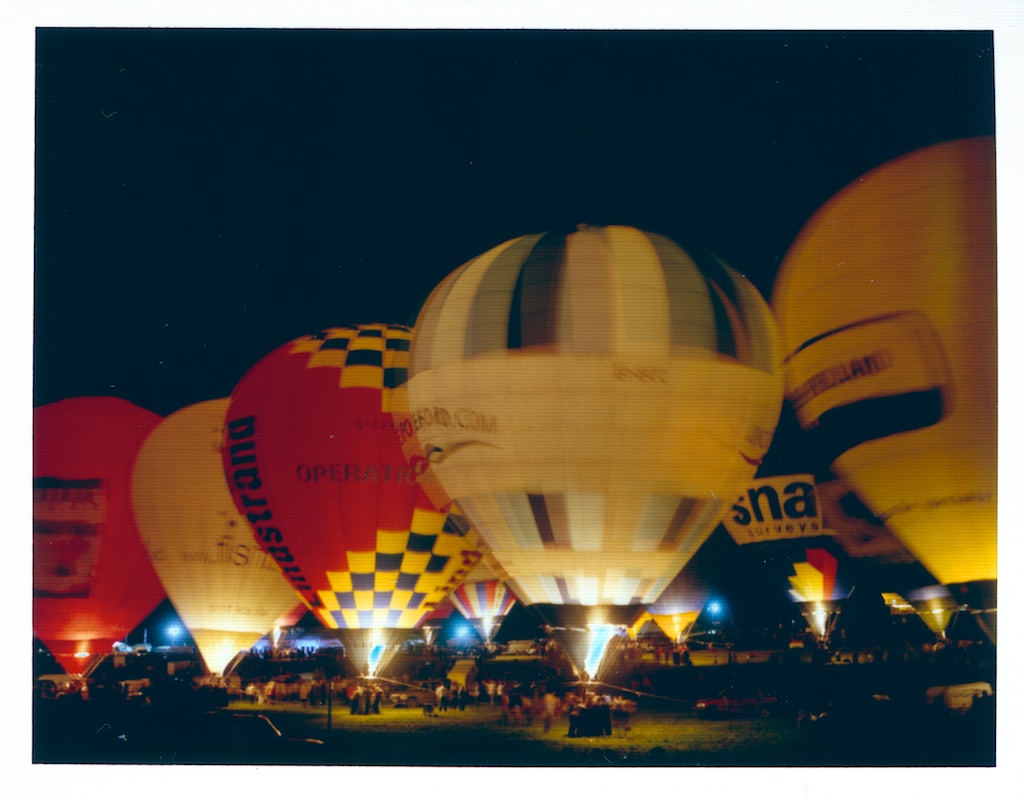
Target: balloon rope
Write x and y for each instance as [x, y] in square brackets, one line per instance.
[636, 692]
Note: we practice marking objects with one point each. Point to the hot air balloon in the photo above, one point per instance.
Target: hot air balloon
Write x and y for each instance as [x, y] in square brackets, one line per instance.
[91, 577]
[778, 526]
[483, 599]
[895, 572]
[887, 306]
[226, 590]
[676, 611]
[586, 399]
[314, 464]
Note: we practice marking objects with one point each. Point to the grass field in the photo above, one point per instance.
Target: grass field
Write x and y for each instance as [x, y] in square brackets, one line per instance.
[662, 732]
[654, 737]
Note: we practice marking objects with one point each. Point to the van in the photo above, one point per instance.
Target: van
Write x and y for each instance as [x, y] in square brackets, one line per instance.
[957, 698]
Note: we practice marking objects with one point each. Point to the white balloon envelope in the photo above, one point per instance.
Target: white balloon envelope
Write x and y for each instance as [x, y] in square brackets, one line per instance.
[226, 590]
[590, 400]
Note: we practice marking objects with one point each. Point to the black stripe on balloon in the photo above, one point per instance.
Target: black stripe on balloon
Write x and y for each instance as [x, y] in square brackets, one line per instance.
[421, 542]
[47, 482]
[370, 358]
[541, 518]
[401, 345]
[406, 581]
[840, 429]
[395, 377]
[679, 275]
[534, 312]
[717, 275]
[335, 344]
[371, 333]
[563, 589]
[436, 563]
[415, 601]
[714, 270]
[723, 325]
[388, 562]
[362, 581]
[486, 326]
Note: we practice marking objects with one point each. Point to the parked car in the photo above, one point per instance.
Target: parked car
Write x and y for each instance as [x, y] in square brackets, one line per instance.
[60, 687]
[738, 701]
[958, 698]
[409, 699]
[209, 737]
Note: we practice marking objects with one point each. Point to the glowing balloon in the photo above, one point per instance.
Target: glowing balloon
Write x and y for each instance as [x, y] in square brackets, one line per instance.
[92, 579]
[483, 599]
[893, 569]
[314, 464]
[679, 606]
[586, 399]
[226, 590]
[887, 307]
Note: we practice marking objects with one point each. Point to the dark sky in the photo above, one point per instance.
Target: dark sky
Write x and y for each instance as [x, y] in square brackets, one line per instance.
[204, 196]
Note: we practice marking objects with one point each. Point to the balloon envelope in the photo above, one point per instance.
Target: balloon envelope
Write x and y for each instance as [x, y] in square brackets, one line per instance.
[92, 578]
[483, 599]
[314, 464]
[585, 399]
[887, 307]
[226, 590]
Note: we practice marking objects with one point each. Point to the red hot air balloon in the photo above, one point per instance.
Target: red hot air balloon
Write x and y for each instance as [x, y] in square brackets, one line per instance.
[313, 462]
[92, 578]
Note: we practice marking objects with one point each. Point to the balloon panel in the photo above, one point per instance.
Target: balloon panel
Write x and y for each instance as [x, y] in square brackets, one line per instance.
[92, 580]
[675, 625]
[483, 599]
[585, 399]
[215, 573]
[314, 465]
[887, 307]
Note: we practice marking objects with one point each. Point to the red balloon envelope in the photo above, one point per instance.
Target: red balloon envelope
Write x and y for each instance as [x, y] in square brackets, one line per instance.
[313, 461]
[91, 576]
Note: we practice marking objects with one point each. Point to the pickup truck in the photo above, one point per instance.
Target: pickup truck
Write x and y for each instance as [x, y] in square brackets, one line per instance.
[736, 701]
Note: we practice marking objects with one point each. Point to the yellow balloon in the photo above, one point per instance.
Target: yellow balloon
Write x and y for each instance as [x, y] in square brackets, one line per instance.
[226, 590]
[886, 303]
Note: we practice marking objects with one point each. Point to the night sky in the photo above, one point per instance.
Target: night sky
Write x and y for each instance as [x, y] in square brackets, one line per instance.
[203, 196]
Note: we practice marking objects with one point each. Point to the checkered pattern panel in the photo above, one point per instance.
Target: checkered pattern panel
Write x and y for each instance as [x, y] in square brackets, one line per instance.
[396, 584]
[367, 356]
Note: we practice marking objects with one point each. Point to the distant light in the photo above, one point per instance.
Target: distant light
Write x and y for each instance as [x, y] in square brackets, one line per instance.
[81, 654]
[715, 607]
[462, 631]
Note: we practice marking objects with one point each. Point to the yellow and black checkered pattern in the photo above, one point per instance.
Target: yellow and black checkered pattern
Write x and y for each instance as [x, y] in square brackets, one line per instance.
[407, 574]
[369, 356]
